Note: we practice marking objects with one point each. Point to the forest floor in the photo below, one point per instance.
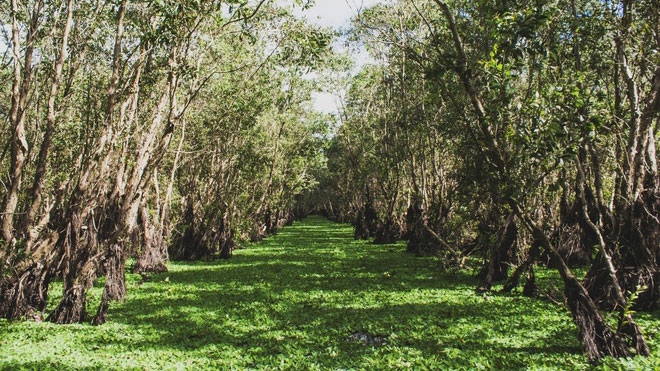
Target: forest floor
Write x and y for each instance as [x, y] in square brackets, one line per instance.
[312, 298]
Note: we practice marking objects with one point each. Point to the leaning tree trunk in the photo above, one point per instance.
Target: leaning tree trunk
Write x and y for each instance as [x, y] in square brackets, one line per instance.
[423, 240]
[17, 116]
[72, 308]
[596, 336]
[153, 256]
[24, 288]
[90, 216]
[530, 289]
[25, 296]
[115, 286]
[497, 266]
[365, 221]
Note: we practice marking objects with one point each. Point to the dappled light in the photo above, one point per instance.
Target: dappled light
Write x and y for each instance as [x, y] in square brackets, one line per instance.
[309, 297]
[329, 184]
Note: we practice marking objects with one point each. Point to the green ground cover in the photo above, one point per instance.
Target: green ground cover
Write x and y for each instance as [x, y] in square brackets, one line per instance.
[313, 298]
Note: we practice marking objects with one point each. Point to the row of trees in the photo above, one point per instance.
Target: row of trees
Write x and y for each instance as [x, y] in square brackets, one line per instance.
[145, 129]
[520, 132]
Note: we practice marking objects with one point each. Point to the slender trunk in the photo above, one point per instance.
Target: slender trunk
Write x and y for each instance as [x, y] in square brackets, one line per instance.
[19, 95]
[498, 262]
[84, 254]
[42, 162]
[154, 255]
[597, 338]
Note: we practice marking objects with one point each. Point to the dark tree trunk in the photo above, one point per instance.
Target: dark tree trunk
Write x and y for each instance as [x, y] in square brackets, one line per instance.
[422, 240]
[153, 257]
[361, 231]
[598, 340]
[26, 295]
[571, 245]
[114, 267]
[645, 251]
[365, 222]
[190, 246]
[416, 234]
[636, 259]
[227, 245]
[204, 242]
[530, 289]
[115, 286]
[72, 307]
[497, 267]
[387, 232]
[101, 316]
[269, 222]
[596, 336]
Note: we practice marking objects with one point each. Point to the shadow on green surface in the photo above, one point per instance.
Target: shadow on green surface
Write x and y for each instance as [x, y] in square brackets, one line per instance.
[312, 286]
[296, 299]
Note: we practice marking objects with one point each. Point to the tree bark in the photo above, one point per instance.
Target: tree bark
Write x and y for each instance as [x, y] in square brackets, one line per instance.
[498, 262]
[597, 338]
[43, 158]
[22, 79]
[595, 334]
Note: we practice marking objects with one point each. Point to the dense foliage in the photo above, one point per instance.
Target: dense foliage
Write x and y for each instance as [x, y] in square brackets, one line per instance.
[518, 134]
[521, 133]
[147, 129]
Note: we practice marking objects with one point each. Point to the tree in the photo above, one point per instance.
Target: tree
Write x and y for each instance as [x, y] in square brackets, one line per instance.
[520, 96]
[120, 81]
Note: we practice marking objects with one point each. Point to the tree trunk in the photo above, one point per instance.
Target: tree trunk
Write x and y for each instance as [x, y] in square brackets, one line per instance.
[498, 262]
[115, 286]
[153, 256]
[26, 296]
[530, 288]
[72, 307]
[387, 232]
[19, 96]
[417, 244]
[597, 338]
[365, 221]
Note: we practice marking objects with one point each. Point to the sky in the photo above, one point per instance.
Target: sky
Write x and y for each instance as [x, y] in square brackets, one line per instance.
[335, 14]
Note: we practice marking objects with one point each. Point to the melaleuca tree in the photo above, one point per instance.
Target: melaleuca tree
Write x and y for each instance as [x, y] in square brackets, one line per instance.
[253, 149]
[515, 158]
[118, 80]
[530, 97]
[389, 114]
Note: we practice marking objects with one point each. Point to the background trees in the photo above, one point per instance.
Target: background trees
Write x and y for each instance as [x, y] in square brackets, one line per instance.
[514, 130]
[517, 133]
[137, 127]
